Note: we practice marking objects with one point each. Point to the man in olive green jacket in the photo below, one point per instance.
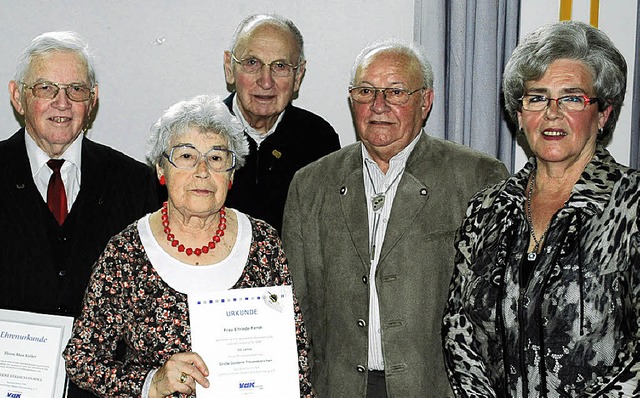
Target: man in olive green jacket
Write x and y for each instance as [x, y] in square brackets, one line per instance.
[369, 231]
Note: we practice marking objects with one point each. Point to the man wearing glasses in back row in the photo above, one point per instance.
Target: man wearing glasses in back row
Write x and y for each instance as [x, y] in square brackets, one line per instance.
[369, 232]
[63, 196]
[264, 66]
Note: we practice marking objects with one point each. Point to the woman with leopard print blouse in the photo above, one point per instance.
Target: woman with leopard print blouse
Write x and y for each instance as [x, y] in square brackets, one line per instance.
[545, 296]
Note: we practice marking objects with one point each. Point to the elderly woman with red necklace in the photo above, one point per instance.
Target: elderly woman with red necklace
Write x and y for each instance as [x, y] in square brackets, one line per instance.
[139, 286]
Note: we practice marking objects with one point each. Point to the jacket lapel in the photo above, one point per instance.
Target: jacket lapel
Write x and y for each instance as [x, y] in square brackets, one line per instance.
[412, 195]
[22, 193]
[95, 180]
[354, 209]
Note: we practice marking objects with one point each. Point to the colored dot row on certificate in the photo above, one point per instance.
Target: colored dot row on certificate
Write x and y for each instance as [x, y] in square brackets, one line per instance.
[231, 300]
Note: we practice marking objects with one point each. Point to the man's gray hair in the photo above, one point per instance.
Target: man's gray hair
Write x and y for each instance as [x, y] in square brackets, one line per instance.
[396, 46]
[255, 20]
[52, 42]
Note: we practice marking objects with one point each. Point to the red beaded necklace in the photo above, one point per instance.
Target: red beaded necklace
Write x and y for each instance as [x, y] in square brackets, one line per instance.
[222, 225]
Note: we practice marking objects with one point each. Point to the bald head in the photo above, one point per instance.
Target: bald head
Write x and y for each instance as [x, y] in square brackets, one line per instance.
[248, 25]
[265, 67]
[411, 53]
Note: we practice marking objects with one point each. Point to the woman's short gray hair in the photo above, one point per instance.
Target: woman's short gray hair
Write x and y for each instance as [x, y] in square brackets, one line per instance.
[568, 40]
[208, 114]
[51, 42]
[396, 46]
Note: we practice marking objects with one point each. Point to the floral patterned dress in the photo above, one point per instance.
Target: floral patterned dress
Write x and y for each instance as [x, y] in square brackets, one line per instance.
[127, 301]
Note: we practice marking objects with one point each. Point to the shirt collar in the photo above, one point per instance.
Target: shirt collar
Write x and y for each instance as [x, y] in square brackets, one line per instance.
[253, 133]
[399, 160]
[39, 158]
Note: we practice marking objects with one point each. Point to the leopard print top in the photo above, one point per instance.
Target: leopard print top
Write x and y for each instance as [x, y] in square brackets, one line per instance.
[573, 329]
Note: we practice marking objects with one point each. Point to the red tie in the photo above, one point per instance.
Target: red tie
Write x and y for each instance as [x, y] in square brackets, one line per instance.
[56, 197]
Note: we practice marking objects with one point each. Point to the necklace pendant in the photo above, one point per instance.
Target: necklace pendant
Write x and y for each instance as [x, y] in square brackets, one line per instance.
[377, 201]
[532, 256]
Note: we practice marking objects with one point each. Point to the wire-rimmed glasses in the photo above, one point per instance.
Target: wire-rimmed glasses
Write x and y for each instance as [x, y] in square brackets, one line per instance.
[393, 95]
[187, 157]
[568, 103]
[279, 68]
[49, 90]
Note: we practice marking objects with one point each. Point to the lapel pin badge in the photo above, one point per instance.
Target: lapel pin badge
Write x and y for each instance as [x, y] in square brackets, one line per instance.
[271, 300]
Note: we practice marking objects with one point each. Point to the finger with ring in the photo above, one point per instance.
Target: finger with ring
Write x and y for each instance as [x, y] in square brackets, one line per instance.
[183, 378]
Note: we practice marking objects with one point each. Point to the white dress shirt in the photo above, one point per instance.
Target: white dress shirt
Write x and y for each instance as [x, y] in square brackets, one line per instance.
[253, 133]
[70, 170]
[378, 183]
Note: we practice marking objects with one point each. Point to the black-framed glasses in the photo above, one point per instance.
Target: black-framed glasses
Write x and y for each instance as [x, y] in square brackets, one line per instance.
[49, 90]
[279, 68]
[568, 103]
[187, 157]
[393, 95]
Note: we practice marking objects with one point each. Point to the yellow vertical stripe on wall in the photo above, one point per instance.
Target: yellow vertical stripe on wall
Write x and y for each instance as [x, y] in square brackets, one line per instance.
[594, 13]
[565, 9]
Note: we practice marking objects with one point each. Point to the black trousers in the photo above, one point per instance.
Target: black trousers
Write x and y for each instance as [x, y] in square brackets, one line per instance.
[376, 386]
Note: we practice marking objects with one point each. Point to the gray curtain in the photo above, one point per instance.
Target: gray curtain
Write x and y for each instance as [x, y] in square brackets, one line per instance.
[634, 159]
[468, 44]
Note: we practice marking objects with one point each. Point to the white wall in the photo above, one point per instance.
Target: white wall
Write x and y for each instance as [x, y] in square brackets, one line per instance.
[152, 54]
[618, 20]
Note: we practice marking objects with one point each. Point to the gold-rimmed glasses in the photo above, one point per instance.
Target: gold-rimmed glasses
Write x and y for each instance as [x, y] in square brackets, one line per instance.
[49, 90]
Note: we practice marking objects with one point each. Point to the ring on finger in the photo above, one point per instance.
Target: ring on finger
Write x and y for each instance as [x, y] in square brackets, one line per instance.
[183, 378]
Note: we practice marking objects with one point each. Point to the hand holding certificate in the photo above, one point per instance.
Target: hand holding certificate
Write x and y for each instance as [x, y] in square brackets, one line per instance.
[247, 339]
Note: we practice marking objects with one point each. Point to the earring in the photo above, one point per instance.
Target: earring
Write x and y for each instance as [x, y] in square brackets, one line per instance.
[163, 181]
[600, 132]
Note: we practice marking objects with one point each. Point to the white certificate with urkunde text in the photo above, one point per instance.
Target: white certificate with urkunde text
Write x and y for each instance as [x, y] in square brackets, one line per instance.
[247, 338]
[31, 364]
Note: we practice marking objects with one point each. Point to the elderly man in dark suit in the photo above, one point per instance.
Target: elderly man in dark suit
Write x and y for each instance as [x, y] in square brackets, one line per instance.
[369, 231]
[265, 65]
[63, 196]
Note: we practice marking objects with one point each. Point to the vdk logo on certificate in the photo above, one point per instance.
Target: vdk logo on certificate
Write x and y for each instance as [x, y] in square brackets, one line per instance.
[247, 339]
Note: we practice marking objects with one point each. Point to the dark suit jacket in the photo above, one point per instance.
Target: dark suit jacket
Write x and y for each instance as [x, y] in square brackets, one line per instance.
[260, 187]
[46, 267]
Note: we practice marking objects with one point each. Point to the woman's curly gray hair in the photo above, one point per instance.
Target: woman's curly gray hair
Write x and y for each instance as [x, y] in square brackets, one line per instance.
[568, 40]
[207, 113]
